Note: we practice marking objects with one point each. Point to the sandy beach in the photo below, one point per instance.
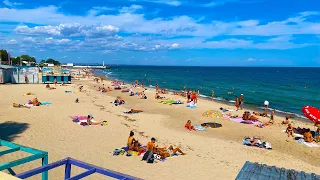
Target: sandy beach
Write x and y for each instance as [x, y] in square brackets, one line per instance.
[212, 154]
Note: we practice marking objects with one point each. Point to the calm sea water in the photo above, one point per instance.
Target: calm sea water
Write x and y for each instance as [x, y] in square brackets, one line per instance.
[284, 88]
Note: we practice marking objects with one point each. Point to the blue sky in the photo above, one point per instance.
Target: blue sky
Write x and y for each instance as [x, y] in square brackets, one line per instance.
[164, 32]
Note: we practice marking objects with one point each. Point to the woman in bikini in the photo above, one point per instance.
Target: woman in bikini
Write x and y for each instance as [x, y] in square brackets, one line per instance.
[290, 130]
[90, 122]
[189, 126]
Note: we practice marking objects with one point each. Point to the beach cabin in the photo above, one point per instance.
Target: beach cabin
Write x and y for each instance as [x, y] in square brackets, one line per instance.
[253, 171]
[61, 75]
[6, 74]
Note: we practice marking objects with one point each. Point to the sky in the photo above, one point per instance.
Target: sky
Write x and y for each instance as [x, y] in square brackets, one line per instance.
[164, 32]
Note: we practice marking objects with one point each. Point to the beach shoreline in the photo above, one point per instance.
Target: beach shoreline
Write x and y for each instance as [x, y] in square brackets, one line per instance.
[250, 107]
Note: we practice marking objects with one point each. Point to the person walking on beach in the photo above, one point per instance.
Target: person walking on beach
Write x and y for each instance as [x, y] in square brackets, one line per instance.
[212, 95]
[26, 79]
[236, 103]
[241, 101]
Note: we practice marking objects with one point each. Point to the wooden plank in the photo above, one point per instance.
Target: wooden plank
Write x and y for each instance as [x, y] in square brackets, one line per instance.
[82, 175]
[42, 169]
[7, 151]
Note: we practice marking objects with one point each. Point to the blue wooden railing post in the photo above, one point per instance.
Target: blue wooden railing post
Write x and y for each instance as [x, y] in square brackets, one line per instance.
[67, 170]
[45, 162]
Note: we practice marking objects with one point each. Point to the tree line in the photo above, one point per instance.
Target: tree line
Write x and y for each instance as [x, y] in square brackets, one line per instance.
[19, 59]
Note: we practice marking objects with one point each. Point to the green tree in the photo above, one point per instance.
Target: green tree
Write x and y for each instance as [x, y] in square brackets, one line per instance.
[52, 61]
[3, 55]
[27, 58]
[15, 60]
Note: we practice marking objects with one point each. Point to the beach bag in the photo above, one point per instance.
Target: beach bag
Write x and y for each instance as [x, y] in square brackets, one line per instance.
[148, 156]
[83, 123]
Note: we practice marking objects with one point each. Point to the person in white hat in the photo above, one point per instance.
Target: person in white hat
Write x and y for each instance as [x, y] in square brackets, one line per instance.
[241, 101]
[266, 105]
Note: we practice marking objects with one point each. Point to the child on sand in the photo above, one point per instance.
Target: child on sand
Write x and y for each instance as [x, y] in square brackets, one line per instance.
[285, 121]
[189, 126]
[272, 117]
[290, 130]
[307, 136]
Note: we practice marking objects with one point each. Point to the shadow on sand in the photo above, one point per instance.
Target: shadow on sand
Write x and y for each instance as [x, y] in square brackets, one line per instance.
[10, 130]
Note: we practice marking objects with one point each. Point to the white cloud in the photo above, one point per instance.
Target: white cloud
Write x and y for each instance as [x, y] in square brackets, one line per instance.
[167, 2]
[12, 41]
[175, 46]
[69, 30]
[29, 39]
[251, 59]
[179, 25]
[11, 4]
[133, 8]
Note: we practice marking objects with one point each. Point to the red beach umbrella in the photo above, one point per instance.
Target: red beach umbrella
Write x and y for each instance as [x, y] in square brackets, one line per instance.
[312, 113]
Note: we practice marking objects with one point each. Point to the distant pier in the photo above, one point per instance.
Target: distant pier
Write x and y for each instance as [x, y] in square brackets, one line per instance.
[71, 65]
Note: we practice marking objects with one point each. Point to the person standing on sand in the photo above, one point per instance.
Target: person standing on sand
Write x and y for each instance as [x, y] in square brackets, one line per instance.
[212, 95]
[157, 87]
[236, 103]
[185, 89]
[241, 101]
[55, 81]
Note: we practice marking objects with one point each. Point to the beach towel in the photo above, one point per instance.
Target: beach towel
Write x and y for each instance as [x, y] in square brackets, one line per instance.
[167, 102]
[312, 144]
[199, 128]
[177, 102]
[294, 134]
[191, 106]
[45, 103]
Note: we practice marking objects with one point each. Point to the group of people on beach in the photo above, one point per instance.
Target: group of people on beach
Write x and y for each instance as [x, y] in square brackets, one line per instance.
[151, 147]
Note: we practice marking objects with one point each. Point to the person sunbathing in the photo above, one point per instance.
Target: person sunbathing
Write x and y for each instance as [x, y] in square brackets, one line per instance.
[252, 142]
[168, 152]
[157, 96]
[189, 126]
[19, 105]
[285, 121]
[264, 114]
[248, 116]
[35, 102]
[90, 121]
[131, 140]
[80, 88]
[143, 96]
[136, 147]
[135, 111]
[307, 136]
[318, 134]
[289, 130]
[163, 152]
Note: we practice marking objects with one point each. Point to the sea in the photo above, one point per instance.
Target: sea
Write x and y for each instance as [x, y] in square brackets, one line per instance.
[287, 89]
